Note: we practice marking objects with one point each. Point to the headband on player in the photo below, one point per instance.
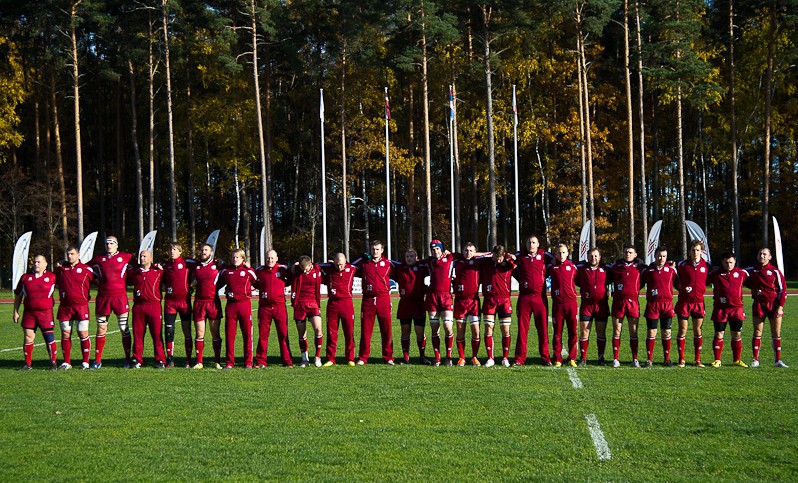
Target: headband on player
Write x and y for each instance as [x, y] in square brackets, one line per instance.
[110, 240]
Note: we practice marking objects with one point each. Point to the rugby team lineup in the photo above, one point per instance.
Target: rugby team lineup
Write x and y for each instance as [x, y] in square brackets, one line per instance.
[461, 292]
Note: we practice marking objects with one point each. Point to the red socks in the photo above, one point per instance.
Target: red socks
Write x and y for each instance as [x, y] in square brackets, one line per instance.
[474, 347]
[717, 345]
[436, 346]
[583, 344]
[737, 349]
[489, 345]
[319, 342]
[650, 344]
[633, 346]
[200, 348]
[85, 346]
[405, 348]
[776, 341]
[505, 346]
[461, 348]
[680, 343]
[616, 347]
[666, 348]
[98, 350]
[697, 343]
[66, 349]
[27, 349]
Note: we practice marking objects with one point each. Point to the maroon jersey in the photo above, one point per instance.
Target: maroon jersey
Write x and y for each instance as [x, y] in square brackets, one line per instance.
[306, 286]
[496, 278]
[659, 282]
[376, 275]
[728, 287]
[626, 279]
[73, 283]
[271, 284]
[237, 282]
[767, 284]
[440, 273]
[531, 272]
[175, 279]
[410, 279]
[692, 281]
[339, 282]
[592, 282]
[38, 291]
[207, 276]
[466, 277]
[146, 284]
[563, 281]
[110, 270]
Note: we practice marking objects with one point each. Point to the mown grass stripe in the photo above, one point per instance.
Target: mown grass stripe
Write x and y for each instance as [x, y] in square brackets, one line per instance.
[574, 377]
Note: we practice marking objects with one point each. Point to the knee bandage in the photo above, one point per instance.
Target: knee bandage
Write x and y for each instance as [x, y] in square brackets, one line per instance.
[66, 325]
[102, 320]
[48, 336]
[473, 319]
[506, 321]
[122, 323]
[83, 326]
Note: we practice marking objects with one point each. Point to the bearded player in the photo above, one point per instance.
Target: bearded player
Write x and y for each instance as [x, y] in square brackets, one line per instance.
[532, 301]
[376, 273]
[272, 280]
[177, 300]
[592, 279]
[625, 301]
[769, 290]
[36, 289]
[563, 304]
[110, 269]
[692, 276]
[339, 277]
[466, 302]
[727, 289]
[207, 306]
[73, 279]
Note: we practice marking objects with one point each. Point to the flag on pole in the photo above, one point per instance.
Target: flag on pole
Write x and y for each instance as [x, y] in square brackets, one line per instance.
[321, 104]
[387, 106]
[451, 102]
[515, 109]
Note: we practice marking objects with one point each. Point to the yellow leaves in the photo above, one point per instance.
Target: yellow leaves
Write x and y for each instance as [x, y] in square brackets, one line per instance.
[12, 93]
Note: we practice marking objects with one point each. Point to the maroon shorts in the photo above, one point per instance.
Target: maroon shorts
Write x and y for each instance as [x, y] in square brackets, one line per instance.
[411, 309]
[182, 307]
[207, 310]
[439, 302]
[68, 312]
[43, 319]
[728, 314]
[625, 307]
[765, 308]
[304, 310]
[685, 310]
[111, 303]
[465, 306]
[659, 309]
[599, 310]
[497, 305]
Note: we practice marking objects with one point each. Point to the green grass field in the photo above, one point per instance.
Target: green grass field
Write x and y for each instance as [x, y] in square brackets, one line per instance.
[399, 423]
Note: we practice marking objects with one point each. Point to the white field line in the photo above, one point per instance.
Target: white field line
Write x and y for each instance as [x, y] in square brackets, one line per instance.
[602, 448]
[574, 377]
[42, 344]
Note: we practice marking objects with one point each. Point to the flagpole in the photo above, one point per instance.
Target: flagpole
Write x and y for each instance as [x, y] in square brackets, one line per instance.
[324, 254]
[387, 178]
[451, 161]
[515, 167]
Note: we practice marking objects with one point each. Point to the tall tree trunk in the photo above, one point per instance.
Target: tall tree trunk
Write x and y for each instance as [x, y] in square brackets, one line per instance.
[365, 194]
[268, 209]
[486, 14]
[655, 189]
[582, 151]
[768, 119]
[59, 160]
[76, 94]
[474, 203]
[588, 129]
[267, 241]
[427, 155]
[733, 134]
[680, 147]
[344, 183]
[629, 126]
[120, 205]
[192, 211]
[642, 135]
[151, 147]
[136, 154]
[411, 202]
[170, 127]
